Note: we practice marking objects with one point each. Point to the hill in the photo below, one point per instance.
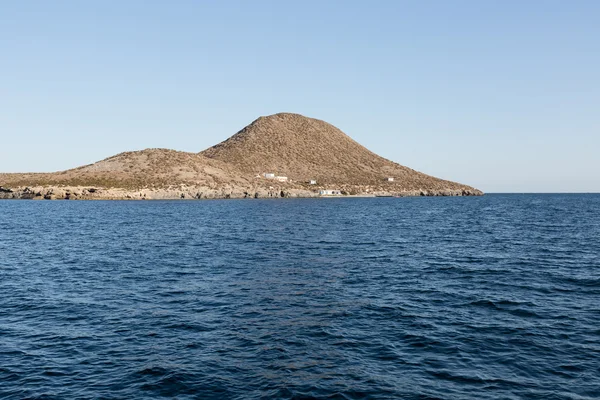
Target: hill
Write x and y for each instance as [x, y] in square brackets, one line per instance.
[136, 169]
[304, 149]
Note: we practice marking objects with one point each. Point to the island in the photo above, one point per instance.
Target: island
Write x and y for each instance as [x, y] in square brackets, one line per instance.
[278, 156]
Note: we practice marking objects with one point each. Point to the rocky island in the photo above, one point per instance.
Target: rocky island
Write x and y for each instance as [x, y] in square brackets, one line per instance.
[281, 155]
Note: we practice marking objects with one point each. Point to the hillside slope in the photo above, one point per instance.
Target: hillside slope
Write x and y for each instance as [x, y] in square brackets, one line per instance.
[137, 169]
[304, 148]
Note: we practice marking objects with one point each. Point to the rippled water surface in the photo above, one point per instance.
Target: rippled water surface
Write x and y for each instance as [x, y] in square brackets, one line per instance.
[419, 298]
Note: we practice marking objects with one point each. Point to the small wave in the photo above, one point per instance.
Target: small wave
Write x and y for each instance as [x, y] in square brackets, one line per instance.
[475, 379]
[509, 306]
[190, 327]
[588, 282]
[153, 371]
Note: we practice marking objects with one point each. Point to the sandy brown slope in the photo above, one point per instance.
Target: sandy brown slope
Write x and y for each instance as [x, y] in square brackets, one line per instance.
[137, 169]
[304, 148]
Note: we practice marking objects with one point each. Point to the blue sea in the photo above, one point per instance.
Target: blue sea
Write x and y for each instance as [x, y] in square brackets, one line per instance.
[493, 297]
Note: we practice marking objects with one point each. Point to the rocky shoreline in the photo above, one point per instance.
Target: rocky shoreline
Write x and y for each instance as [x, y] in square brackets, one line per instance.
[184, 192]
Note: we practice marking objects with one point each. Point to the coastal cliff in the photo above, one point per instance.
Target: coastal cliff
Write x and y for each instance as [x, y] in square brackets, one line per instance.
[282, 155]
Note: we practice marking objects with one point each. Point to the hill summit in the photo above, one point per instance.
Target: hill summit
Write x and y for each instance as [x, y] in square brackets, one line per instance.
[305, 149]
[281, 155]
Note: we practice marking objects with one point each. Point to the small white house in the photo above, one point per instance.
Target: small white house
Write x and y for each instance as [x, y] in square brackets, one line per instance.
[313, 182]
[269, 175]
[390, 179]
[281, 178]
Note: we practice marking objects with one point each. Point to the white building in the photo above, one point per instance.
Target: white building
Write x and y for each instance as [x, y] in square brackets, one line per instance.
[269, 175]
[281, 178]
[330, 192]
[390, 179]
[313, 182]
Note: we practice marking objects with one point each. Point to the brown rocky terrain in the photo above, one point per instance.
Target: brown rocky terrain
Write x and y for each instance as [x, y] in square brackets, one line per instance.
[136, 169]
[291, 145]
[304, 148]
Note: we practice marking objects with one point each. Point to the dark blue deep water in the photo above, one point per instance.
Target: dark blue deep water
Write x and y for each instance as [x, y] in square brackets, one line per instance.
[496, 297]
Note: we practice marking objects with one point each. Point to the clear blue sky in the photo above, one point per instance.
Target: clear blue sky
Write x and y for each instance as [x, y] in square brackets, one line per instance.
[502, 95]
